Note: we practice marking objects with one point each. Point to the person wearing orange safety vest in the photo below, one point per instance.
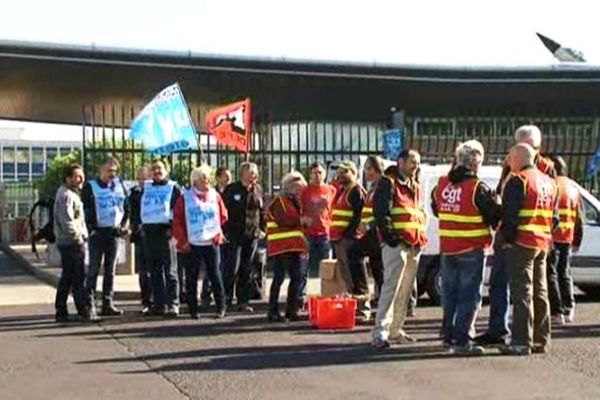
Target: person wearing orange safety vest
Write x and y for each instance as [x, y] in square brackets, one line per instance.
[401, 223]
[345, 218]
[499, 293]
[286, 245]
[528, 217]
[567, 235]
[467, 211]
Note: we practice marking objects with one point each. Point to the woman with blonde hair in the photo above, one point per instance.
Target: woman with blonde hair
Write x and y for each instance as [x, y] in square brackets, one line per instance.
[198, 217]
[286, 245]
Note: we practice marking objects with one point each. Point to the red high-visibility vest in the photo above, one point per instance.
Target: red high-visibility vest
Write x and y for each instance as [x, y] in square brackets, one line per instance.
[461, 224]
[568, 202]
[282, 239]
[341, 213]
[535, 217]
[408, 215]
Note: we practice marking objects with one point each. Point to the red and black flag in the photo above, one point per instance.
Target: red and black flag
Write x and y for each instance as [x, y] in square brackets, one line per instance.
[231, 125]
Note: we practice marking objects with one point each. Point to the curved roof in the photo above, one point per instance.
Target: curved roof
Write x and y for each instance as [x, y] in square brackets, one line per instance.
[50, 82]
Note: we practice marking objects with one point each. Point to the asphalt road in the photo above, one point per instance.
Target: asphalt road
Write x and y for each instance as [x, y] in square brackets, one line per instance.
[243, 357]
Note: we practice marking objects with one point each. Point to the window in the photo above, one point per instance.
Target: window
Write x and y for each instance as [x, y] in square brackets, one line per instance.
[591, 214]
[37, 161]
[22, 157]
[8, 163]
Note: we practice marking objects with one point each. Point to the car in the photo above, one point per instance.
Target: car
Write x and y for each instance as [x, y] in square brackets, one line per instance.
[585, 263]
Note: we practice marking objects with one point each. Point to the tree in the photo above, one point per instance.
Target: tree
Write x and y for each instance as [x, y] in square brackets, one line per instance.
[48, 186]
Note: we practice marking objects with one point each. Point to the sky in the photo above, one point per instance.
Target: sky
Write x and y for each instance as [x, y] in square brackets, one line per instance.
[457, 32]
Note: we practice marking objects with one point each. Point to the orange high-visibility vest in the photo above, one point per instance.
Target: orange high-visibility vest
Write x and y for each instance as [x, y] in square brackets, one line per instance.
[544, 164]
[535, 217]
[461, 224]
[408, 215]
[568, 202]
[341, 213]
[282, 239]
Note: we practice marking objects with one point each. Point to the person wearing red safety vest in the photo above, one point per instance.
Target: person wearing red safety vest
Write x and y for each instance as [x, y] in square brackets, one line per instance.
[528, 215]
[401, 222]
[467, 211]
[286, 245]
[345, 218]
[566, 237]
[499, 293]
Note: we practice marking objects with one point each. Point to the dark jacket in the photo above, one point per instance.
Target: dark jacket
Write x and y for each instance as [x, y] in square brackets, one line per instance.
[246, 209]
[89, 206]
[152, 229]
[383, 201]
[513, 197]
[135, 220]
[485, 199]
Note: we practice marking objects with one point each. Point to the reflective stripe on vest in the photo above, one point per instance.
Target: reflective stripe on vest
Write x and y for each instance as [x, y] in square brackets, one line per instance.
[461, 224]
[203, 220]
[408, 217]
[109, 203]
[568, 202]
[535, 218]
[156, 203]
[284, 239]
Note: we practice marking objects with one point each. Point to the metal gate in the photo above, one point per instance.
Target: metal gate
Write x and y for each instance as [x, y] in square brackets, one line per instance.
[280, 146]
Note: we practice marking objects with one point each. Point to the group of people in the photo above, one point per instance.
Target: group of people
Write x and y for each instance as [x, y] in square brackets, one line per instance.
[535, 213]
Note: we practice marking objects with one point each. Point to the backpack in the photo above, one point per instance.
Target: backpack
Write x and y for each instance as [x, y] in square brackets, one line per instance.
[46, 232]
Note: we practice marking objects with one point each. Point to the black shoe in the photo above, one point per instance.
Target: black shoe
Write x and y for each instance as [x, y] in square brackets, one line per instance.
[276, 317]
[511, 350]
[205, 301]
[172, 312]
[244, 308]
[62, 318]
[155, 312]
[194, 315]
[110, 311]
[220, 314]
[292, 317]
[488, 340]
[90, 318]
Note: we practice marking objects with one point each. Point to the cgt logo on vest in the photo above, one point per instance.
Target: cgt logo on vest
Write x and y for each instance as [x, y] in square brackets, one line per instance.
[545, 194]
[451, 198]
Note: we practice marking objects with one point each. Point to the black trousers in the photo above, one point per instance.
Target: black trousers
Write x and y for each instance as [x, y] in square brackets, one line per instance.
[240, 253]
[143, 273]
[560, 281]
[103, 250]
[71, 279]
[293, 263]
[163, 273]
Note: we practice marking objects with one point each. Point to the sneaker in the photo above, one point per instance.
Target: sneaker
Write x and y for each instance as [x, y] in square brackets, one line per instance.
[570, 316]
[90, 318]
[488, 340]
[402, 338]
[244, 308]
[447, 344]
[155, 312]
[468, 350]
[276, 317]
[172, 312]
[557, 320]
[220, 314]
[380, 344]
[110, 311]
[539, 349]
[512, 350]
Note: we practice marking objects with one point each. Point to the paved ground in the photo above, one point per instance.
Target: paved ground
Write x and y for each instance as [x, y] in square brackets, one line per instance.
[242, 357]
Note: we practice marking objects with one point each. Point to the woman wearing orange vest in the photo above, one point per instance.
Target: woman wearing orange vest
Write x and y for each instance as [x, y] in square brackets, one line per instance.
[567, 235]
[286, 245]
[345, 217]
[528, 211]
[466, 209]
[401, 222]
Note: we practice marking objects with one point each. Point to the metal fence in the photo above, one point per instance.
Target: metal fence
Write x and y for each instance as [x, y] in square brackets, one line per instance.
[278, 147]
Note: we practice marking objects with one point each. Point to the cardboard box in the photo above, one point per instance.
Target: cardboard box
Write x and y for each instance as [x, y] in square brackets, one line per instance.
[332, 282]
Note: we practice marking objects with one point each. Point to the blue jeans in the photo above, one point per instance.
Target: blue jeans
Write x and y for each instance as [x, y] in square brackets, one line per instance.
[240, 254]
[102, 244]
[207, 292]
[462, 276]
[319, 248]
[499, 294]
[292, 262]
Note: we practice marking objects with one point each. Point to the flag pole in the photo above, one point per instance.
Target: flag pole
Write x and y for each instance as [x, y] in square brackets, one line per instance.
[198, 133]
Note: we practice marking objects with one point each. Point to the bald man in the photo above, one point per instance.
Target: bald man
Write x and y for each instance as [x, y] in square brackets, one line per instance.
[528, 214]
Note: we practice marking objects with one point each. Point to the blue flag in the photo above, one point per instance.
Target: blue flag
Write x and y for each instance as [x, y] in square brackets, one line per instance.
[594, 164]
[164, 125]
[392, 143]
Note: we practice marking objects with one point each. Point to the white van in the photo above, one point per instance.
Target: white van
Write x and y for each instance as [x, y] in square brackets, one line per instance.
[585, 264]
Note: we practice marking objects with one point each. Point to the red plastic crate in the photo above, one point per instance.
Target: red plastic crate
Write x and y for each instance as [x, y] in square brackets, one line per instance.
[332, 312]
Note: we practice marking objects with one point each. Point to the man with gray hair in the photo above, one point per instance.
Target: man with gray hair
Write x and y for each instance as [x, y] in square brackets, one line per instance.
[467, 209]
[245, 227]
[498, 330]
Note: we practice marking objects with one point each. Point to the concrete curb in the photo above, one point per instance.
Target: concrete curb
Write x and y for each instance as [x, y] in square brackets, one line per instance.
[50, 278]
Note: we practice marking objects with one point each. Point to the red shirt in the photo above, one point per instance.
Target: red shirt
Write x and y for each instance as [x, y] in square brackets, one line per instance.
[316, 203]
